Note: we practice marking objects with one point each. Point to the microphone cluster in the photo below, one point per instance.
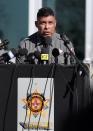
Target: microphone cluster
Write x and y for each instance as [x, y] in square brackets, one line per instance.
[42, 57]
[4, 58]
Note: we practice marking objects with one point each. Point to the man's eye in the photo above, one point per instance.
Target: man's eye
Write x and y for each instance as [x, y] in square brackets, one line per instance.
[50, 22]
[42, 23]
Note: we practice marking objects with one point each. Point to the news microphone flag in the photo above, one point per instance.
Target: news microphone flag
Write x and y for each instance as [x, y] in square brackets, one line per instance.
[44, 57]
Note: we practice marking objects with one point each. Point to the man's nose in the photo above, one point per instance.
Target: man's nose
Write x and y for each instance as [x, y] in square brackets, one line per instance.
[46, 25]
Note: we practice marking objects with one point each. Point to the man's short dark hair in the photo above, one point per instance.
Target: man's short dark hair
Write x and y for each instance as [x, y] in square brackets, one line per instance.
[46, 11]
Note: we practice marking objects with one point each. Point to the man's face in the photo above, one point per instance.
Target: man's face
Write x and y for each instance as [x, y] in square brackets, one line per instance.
[46, 25]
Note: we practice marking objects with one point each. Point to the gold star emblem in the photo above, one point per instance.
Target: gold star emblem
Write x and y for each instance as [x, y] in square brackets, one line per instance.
[35, 103]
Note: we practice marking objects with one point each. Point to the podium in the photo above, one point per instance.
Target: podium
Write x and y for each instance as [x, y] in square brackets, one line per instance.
[69, 91]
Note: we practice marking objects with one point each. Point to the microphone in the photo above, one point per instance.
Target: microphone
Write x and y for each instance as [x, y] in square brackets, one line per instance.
[37, 55]
[46, 41]
[20, 51]
[3, 43]
[32, 56]
[66, 42]
[44, 55]
[55, 53]
[66, 55]
[65, 39]
[12, 53]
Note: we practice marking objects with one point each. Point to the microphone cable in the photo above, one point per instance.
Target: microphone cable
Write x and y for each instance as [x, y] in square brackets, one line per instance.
[9, 93]
[31, 104]
[73, 84]
[82, 85]
[30, 84]
[52, 70]
[43, 95]
[51, 95]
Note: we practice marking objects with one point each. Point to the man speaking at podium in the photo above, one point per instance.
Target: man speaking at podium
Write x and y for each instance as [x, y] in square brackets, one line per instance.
[46, 46]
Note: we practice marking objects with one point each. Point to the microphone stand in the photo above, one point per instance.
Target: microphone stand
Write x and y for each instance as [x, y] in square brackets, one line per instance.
[81, 72]
[56, 60]
[66, 54]
[66, 43]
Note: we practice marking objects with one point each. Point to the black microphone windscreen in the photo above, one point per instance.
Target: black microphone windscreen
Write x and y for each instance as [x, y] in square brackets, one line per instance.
[55, 52]
[30, 56]
[37, 54]
[46, 40]
[22, 52]
[65, 38]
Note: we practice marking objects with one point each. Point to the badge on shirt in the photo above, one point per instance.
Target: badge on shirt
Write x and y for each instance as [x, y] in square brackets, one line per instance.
[60, 51]
[72, 49]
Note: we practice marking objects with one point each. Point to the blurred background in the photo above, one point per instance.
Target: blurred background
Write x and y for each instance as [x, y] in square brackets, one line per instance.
[70, 16]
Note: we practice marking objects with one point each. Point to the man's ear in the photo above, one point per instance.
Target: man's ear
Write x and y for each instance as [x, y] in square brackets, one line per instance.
[36, 24]
[55, 23]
